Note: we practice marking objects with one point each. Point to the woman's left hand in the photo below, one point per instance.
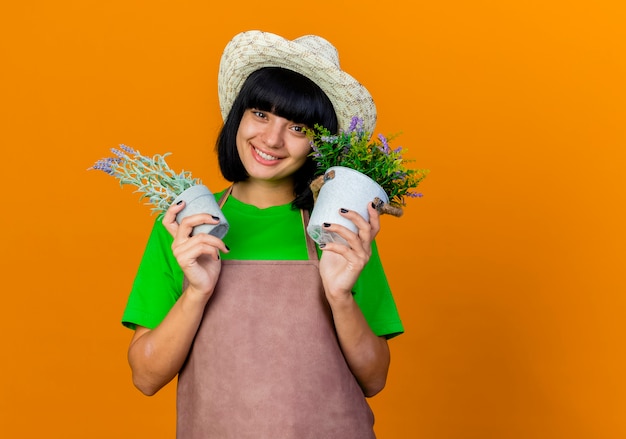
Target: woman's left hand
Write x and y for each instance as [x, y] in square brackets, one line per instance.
[367, 355]
[341, 265]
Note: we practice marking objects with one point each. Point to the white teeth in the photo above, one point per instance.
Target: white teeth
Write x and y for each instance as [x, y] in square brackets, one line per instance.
[265, 156]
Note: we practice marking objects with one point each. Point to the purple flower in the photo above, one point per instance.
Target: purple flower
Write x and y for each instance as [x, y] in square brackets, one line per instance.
[124, 151]
[106, 165]
[353, 124]
[117, 152]
[385, 143]
[356, 124]
[128, 149]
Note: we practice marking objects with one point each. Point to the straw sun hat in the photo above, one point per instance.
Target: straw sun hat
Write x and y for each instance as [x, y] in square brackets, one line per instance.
[310, 55]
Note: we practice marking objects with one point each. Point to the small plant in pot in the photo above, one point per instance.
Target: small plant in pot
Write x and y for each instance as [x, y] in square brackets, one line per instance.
[162, 187]
[353, 170]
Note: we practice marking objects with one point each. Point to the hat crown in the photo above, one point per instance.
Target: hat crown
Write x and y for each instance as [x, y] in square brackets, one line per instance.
[310, 55]
[320, 47]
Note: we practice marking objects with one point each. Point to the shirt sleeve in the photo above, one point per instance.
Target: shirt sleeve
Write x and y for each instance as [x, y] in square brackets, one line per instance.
[373, 295]
[158, 283]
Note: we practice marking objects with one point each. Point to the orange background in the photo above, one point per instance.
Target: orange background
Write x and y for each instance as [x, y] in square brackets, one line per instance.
[509, 273]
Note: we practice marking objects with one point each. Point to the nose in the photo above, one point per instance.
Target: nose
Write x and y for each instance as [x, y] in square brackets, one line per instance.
[273, 135]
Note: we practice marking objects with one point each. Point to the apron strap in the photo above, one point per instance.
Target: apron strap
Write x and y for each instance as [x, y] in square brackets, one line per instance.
[224, 196]
[310, 244]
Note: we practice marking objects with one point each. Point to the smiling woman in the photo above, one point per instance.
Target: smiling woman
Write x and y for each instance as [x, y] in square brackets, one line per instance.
[271, 149]
[282, 94]
[509, 273]
[205, 313]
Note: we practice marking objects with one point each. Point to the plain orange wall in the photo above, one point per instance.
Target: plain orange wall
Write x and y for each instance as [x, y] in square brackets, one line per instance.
[509, 273]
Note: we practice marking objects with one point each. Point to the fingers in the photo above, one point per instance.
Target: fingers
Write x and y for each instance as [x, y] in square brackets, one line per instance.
[169, 219]
[201, 245]
[184, 229]
[188, 248]
[355, 241]
[374, 219]
[366, 231]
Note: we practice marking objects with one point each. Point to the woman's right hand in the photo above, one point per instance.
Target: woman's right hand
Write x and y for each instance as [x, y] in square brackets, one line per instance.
[199, 255]
[156, 355]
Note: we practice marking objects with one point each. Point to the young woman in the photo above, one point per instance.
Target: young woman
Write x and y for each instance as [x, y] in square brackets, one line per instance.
[267, 337]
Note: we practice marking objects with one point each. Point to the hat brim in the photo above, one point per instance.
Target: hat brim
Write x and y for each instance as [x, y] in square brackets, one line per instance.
[250, 51]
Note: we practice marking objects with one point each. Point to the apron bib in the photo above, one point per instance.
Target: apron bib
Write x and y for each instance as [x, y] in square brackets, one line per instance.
[266, 362]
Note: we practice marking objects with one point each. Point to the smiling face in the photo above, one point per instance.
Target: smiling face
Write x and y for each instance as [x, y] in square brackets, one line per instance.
[280, 149]
[271, 147]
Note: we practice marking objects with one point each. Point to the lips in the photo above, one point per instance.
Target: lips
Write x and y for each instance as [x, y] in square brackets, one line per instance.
[265, 156]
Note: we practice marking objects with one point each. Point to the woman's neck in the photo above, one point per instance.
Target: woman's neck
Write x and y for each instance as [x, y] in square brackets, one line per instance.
[263, 194]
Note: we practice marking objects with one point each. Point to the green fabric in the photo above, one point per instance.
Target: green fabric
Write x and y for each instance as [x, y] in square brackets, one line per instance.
[275, 233]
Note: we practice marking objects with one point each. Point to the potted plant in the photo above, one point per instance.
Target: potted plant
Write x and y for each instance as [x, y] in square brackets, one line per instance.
[162, 187]
[354, 170]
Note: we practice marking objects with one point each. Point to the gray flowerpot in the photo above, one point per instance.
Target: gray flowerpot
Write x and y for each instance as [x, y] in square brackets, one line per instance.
[342, 188]
[199, 199]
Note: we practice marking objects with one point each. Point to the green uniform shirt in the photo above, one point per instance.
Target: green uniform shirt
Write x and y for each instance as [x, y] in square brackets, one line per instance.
[274, 233]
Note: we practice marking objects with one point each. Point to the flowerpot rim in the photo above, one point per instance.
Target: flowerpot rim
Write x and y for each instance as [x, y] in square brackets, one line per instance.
[184, 195]
[386, 200]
